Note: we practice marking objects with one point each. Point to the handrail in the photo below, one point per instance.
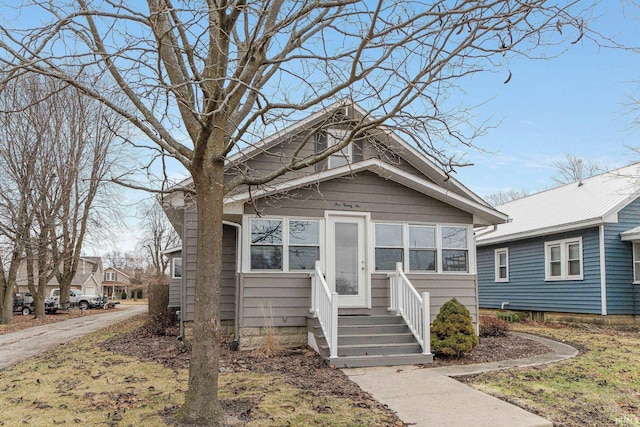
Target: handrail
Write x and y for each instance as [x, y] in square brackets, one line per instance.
[414, 308]
[324, 306]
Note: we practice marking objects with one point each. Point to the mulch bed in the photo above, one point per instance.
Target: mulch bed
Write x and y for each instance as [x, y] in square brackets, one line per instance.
[303, 368]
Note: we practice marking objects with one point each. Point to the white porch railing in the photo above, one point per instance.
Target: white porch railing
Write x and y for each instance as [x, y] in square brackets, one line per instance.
[324, 306]
[413, 307]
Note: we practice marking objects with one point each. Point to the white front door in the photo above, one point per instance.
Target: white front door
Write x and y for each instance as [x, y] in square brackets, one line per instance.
[346, 259]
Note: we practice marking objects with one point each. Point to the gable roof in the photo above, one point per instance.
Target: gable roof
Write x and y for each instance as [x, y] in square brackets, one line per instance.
[482, 214]
[568, 207]
[398, 145]
[119, 271]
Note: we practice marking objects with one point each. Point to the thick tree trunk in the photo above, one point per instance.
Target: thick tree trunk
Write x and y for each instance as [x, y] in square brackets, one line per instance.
[6, 306]
[202, 406]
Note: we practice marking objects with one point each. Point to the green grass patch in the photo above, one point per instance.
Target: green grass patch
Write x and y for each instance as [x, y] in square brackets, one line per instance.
[601, 386]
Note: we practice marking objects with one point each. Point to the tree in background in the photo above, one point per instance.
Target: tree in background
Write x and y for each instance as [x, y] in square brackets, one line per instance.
[158, 236]
[71, 140]
[496, 198]
[573, 169]
[202, 79]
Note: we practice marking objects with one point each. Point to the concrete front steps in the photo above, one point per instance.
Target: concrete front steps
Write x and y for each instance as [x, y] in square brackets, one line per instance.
[378, 340]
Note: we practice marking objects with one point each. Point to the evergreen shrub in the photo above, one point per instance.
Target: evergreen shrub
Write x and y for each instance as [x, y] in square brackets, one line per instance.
[452, 332]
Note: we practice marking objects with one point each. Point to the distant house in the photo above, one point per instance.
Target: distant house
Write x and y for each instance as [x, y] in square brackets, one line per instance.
[572, 249]
[116, 282]
[373, 218]
[88, 278]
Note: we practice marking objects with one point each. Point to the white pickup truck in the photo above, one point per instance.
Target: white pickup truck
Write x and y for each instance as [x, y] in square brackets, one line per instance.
[76, 298]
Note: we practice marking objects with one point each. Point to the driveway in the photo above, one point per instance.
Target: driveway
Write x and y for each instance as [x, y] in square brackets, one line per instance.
[19, 346]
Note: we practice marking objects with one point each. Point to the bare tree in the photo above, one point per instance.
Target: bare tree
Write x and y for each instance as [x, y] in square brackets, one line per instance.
[573, 169]
[204, 78]
[159, 235]
[84, 157]
[18, 157]
[496, 198]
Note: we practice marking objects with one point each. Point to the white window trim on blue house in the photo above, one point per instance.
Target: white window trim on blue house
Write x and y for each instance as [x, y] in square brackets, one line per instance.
[636, 263]
[564, 260]
[498, 265]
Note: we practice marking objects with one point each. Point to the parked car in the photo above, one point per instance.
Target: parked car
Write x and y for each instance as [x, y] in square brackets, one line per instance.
[78, 299]
[23, 303]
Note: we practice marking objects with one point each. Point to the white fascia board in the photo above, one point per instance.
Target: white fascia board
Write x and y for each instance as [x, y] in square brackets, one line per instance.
[416, 155]
[541, 232]
[386, 171]
[171, 250]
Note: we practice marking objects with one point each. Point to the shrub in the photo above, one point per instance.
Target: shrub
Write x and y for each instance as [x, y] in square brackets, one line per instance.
[452, 332]
[493, 327]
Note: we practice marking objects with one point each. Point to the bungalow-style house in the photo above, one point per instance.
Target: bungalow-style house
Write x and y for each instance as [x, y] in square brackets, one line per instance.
[339, 255]
[572, 252]
[116, 283]
[88, 278]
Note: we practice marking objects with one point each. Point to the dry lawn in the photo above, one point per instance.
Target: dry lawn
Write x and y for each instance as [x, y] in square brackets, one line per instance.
[600, 387]
[81, 384]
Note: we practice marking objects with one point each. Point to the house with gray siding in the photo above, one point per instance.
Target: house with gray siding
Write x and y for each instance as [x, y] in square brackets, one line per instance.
[572, 252]
[376, 232]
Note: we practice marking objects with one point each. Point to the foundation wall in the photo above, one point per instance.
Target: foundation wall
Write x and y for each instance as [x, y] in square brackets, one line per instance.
[624, 322]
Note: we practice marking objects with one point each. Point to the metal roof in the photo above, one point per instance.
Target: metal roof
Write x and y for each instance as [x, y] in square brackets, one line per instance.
[573, 206]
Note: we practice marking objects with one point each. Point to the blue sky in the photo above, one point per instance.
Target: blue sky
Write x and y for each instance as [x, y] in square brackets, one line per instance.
[574, 103]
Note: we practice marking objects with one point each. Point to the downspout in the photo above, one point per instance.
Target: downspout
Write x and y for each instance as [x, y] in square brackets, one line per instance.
[236, 322]
[603, 273]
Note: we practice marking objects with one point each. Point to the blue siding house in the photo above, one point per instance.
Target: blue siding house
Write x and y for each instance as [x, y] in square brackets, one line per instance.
[572, 249]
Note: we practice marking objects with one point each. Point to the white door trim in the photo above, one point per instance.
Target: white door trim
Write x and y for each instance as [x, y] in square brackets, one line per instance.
[363, 300]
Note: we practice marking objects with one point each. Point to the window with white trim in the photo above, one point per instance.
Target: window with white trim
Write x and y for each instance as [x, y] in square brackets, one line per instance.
[563, 259]
[110, 276]
[342, 157]
[636, 262]
[428, 248]
[455, 254]
[389, 246]
[422, 248]
[502, 265]
[283, 244]
[176, 268]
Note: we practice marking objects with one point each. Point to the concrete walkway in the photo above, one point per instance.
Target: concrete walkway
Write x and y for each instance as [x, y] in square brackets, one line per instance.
[21, 345]
[426, 397]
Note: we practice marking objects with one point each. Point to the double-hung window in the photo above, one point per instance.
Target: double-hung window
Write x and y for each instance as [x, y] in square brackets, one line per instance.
[636, 262]
[110, 276]
[389, 246]
[342, 157]
[421, 248]
[455, 253]
[284, 244]
[563, 259]
[304, 244]
[502, 265]
[176, 270]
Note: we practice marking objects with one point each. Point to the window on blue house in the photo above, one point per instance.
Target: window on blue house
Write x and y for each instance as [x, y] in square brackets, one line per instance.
[563, 259]
[502, 265]
[636, 262]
